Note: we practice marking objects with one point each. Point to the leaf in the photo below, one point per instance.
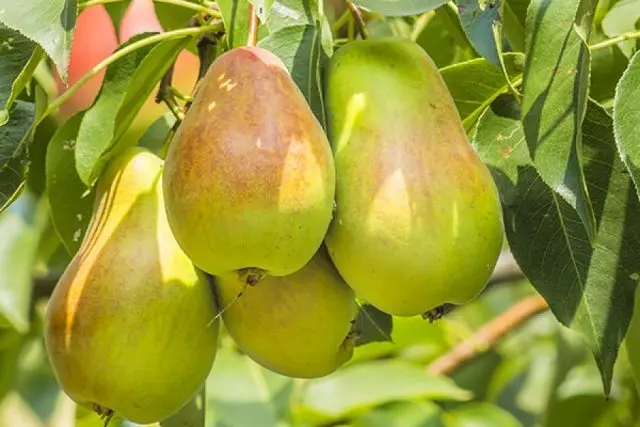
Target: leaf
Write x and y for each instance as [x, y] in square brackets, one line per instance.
[190, 415]
[242, 393]
[473, 95]
[70, 201]
[355, 389]
[373, 325]
[235, 16]
[262, 8]
[49, 23]
[581, 410]
[480, 414]
[481, 22]
[127, 85]
[291, 13]
[626, 118]
[37, 152]
[15, 52]
[399, 7]
[556, 80]
[300, 49]
[402, 414]
[622, 18]
[13, 153]
[590, 288]
[20, 228]
[154, 137]
[513, 27]
[9, 353]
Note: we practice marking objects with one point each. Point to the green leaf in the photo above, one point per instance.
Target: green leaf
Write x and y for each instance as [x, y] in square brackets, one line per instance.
[173, 17]
[36, 180]
[49, 23]
[626, 118]
[20, 228]
[473, 95]
[15, 52]
[556, 85]
[70, 200]
[262, 8]
[190, 415]
[480, 414]
[127, 85]
[481, 22]
[355, 389]
[622, 18]
[242, 393]
[300, 48]
[513, 27]
[582, 410]
[290, 13]
[154, 137]
[13, 153]
[402, 414]
[399, 7]
[373, 325]
[9, 353]
[235, 16]
[589, 288]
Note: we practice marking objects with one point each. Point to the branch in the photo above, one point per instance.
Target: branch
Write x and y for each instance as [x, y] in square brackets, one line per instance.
[357, 16]
[253, 26]
[488, 335]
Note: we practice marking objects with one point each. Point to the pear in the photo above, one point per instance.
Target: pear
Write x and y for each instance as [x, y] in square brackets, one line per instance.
[299, 325]
[249, 179]
[418, 220]
[130, 325]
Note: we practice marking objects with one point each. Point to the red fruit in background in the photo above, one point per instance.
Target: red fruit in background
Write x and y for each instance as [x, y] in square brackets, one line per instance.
[94, 40]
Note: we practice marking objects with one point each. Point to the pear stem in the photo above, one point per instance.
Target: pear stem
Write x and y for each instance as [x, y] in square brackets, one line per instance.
[359, 19]
[488, 335]
[253, 27]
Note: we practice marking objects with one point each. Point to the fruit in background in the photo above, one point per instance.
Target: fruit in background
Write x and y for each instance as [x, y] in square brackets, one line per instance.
[418, 221]
[249, 179]
[94, 40]
[140, 17]
[129, 325]
[297, 325]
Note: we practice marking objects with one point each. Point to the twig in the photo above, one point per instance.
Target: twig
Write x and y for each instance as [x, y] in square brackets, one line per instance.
[357, 16]
[165, 94]
[631, 35]
[488, 335]
[253, 27]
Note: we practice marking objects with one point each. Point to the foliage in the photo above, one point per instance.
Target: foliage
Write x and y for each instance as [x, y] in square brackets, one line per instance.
[548, 94]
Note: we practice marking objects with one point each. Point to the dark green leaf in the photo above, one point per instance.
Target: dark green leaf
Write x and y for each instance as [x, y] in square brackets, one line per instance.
[373, 325]
[513, 27]
[626, 118]
[15, 52]
[399, 7]
[235, 16]
[589, 288]
[622, 18]
[14, 136]
[38, 147]
[581, 410]
[480, 414]
[473, 95]
[481, 22]
[404, 414]
[20, 228]
[49, 23]
[127, 85]
[242, 393]
[556, 84]
[300, 48]
[10, 347]
[357, 388]
[70, 200]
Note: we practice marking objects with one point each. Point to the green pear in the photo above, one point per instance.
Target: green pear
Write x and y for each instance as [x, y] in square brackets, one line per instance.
[249, 179]
[299, 325]
[130, 325]
[418, 221]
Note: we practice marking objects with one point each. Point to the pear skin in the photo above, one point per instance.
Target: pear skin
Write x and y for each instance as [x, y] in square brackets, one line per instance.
[129, 325]
[249, 179]
[418, 221]
[298, 325]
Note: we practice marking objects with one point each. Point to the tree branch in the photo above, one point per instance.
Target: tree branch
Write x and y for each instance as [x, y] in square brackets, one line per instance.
[488, 335]
[359, 19]
[253, 26]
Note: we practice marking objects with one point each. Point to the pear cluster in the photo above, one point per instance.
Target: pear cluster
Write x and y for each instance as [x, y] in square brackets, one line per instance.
[289, 224]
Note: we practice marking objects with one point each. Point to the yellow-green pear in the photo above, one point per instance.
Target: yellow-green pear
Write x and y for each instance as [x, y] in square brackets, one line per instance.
[418, 221]
[249, 179]
[299, 325]
[129, 327]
